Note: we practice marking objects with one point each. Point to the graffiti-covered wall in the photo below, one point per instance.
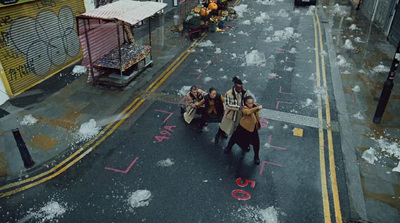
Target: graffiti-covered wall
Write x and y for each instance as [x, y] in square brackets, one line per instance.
[37, 40]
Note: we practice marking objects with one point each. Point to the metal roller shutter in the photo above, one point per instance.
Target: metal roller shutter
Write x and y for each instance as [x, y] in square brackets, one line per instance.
[383, 13]
[38, 39]
[367, 7]
[394, 34]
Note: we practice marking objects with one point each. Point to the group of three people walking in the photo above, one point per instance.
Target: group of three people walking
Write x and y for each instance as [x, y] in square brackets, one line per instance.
[236, 112]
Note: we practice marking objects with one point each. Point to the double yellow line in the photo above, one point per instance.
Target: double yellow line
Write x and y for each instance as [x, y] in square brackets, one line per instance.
[332, 167]
[19, 186]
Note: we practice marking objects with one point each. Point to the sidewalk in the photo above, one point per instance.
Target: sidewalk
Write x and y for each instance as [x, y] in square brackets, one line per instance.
[374, 188]
[60, 105]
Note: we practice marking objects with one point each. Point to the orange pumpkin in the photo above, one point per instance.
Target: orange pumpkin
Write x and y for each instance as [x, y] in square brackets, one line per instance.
[212, 6]
[204, 12]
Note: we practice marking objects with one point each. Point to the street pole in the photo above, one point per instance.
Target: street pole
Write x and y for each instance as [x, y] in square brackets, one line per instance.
[26, 157]
[387, 87]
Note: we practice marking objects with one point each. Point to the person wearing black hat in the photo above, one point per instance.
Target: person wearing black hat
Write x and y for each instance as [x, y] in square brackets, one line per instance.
[233, 106]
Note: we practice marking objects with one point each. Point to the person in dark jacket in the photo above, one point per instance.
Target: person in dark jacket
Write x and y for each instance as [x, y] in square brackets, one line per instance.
[213, 111]
[247, 131]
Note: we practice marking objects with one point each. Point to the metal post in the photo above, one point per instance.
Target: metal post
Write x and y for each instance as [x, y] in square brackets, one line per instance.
[26, 157]
[119, 52]
[387, 88]
[150, 37]
[88, 47]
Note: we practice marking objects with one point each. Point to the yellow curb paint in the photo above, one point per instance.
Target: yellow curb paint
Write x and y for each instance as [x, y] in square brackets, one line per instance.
[332, 167]
[325, 198]
[298, 132]
[167, 73]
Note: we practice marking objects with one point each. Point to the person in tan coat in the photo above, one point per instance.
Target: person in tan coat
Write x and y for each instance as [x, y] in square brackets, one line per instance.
[233, 106]
[195, 95]
[247, 131]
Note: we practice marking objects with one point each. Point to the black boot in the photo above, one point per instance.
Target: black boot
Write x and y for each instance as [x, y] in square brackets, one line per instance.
[216, 139]
[257, 160]
[182, 111]
[222, 133]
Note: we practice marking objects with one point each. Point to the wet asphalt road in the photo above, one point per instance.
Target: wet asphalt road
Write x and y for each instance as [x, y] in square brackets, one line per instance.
[198, 186]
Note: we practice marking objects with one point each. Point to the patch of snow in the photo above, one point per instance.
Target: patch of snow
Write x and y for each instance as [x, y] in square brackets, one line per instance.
[287, 33]
[342, 61]
[358, 40]
[283, 13]
[255, 214]
[196, 61]
[207, 79]
[191, 51]
[356, 88]
[255, 58]
[306, 103]
[271, 57]
[323, 53]
[348, 45]
[381, 69]
[28, 120]
[310, 10]
[218, 50]
[397, 169]
[258, 20]
[243, 33]
[353, 27]
[270, 28]
[165, 163]
[240, 9]
[349, 19]
[139, 198]
[296, 11]
[221, 69]
[246, 22]
[207, 43]
[266, 2]
[297, 75]
[184, 90]
[369, 156]
[273, 75]
[245, 82]
[285, 127]
[391, 148]
[48, 213]
[78, 69]
[224, 77]
[361, 71]
[289, 69]
[270, 127]
[233, 55]
[346, 72]
[358, 116]
[292, 50]
[87, 130]
[320, 91]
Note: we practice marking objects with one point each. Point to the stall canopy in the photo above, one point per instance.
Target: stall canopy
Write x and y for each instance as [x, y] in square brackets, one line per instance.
[128, 11]
[103, 33]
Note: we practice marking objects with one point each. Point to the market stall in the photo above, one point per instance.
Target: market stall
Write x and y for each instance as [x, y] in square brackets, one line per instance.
[110, 52]
[209, 15]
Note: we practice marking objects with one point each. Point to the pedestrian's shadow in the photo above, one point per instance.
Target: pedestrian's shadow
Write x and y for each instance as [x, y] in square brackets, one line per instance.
[245, 169]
